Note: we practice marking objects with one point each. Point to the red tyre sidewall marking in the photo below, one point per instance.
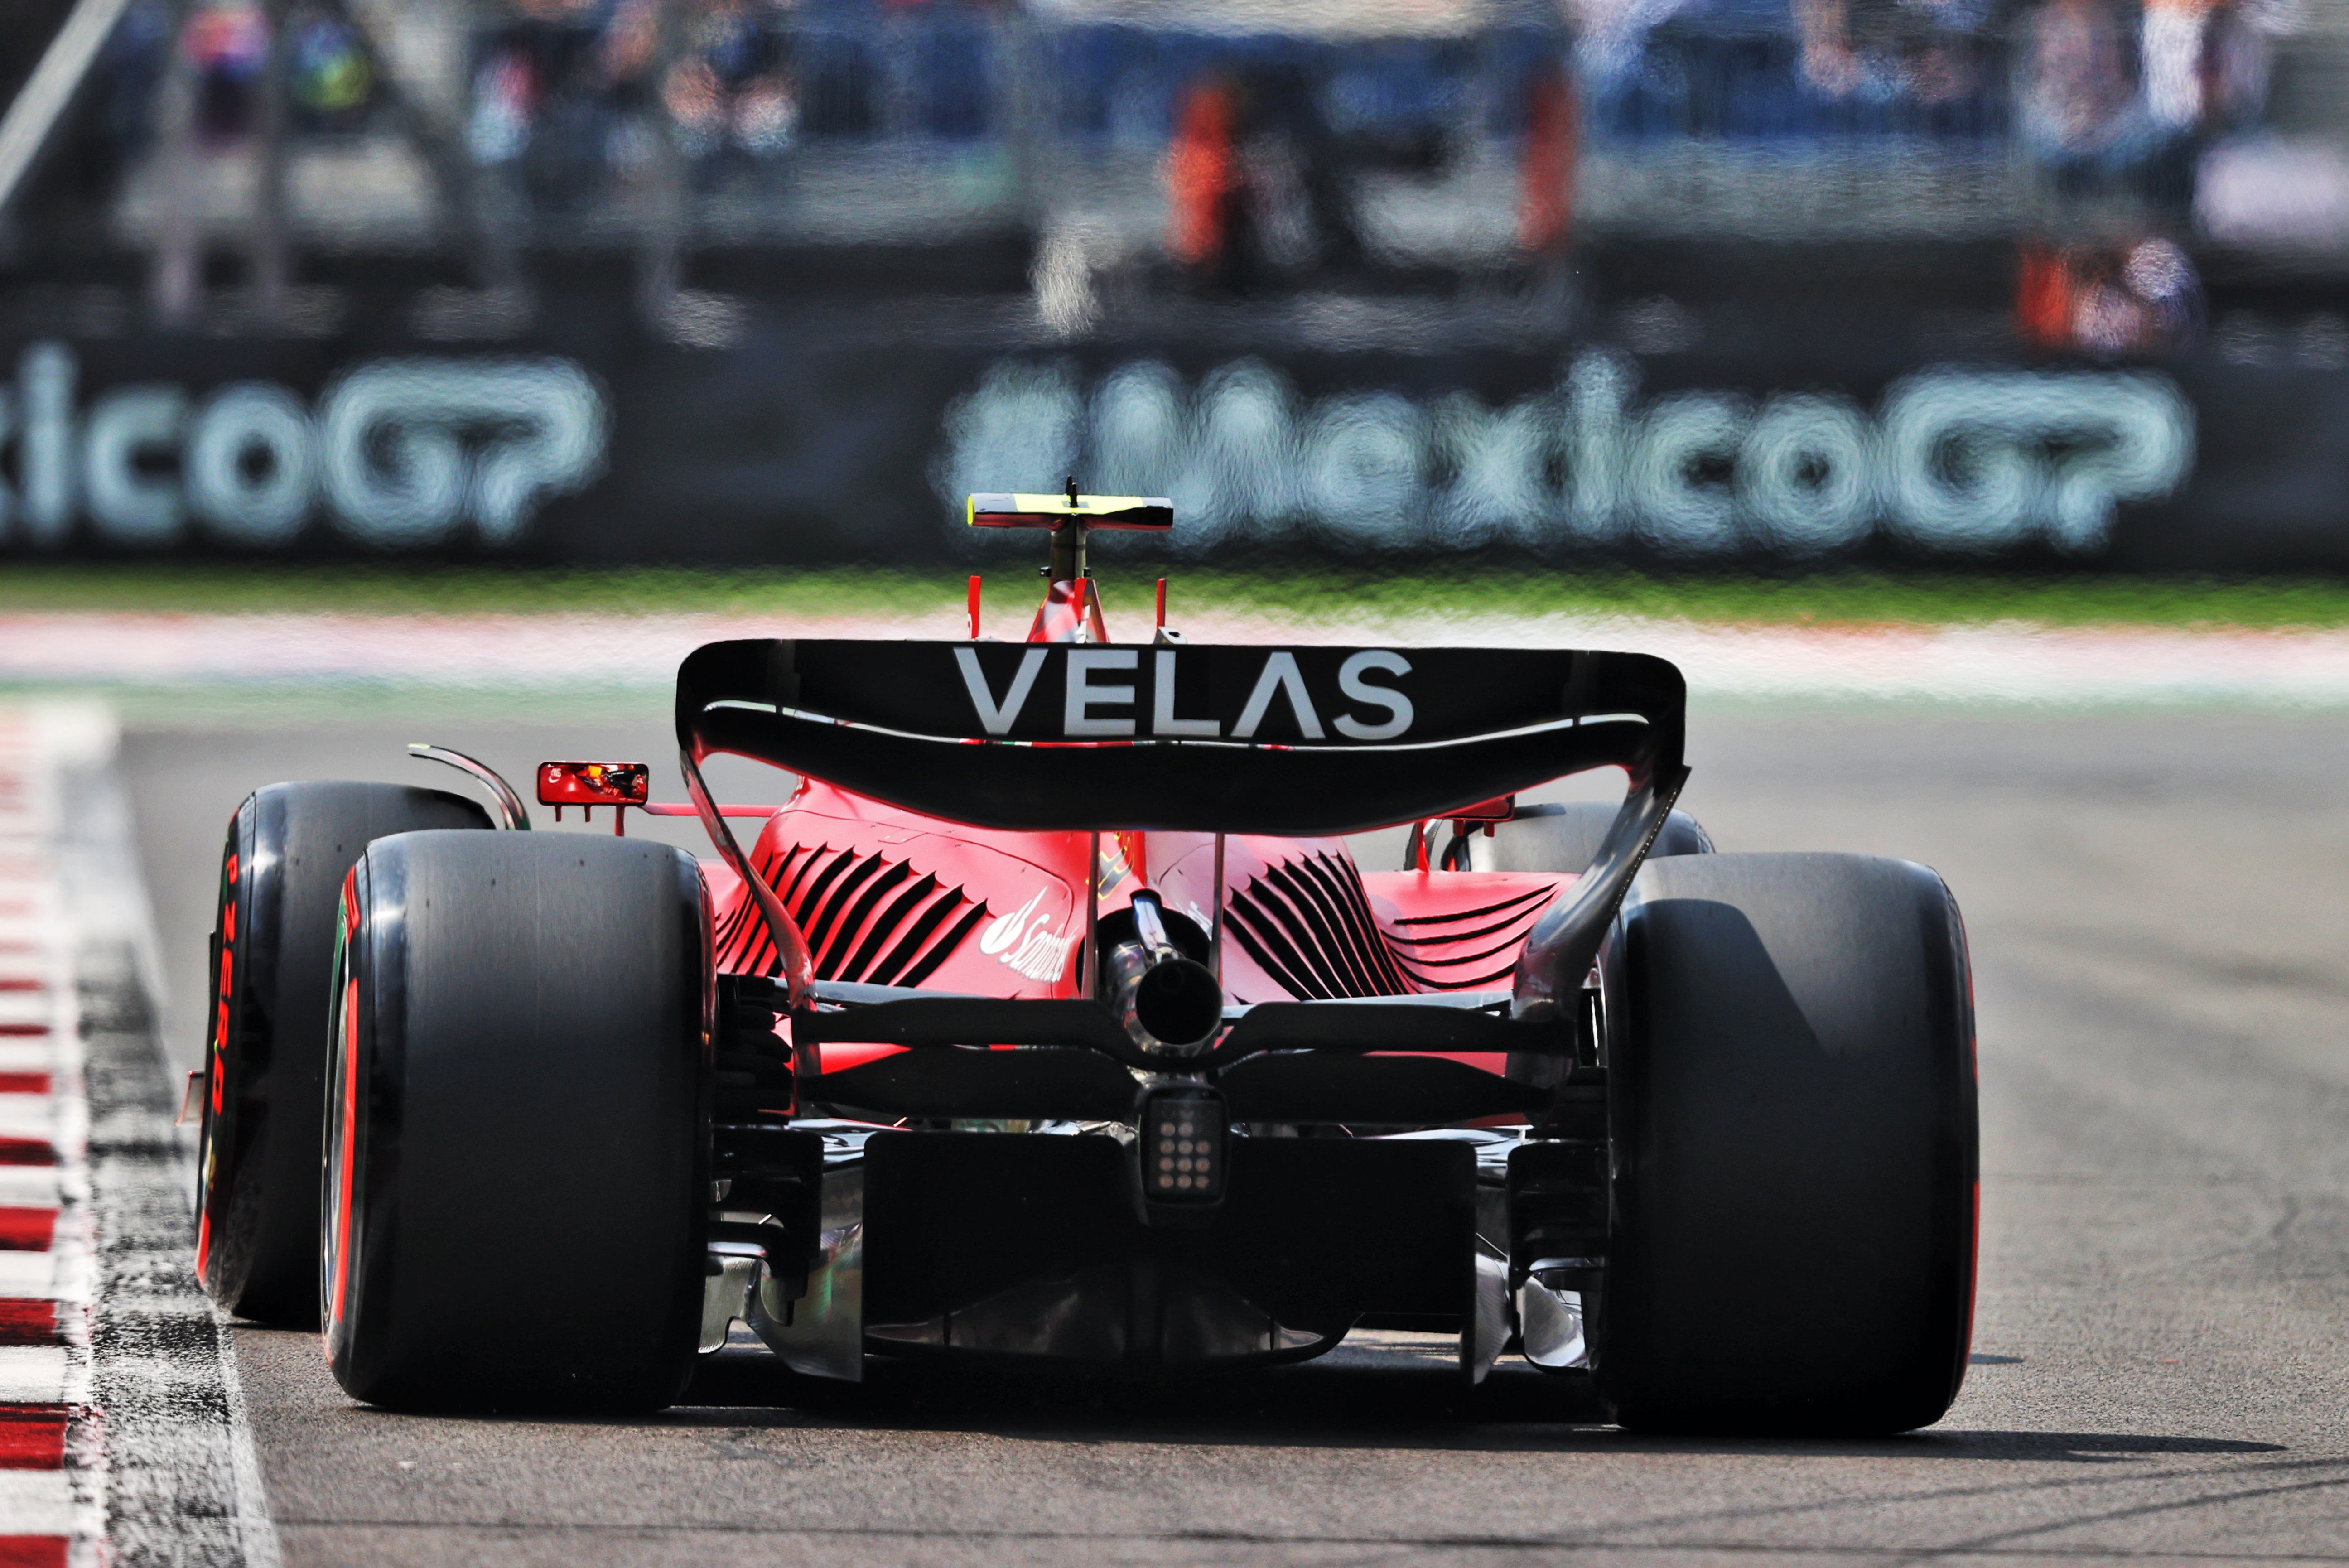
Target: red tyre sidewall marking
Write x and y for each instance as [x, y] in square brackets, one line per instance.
[346, 940]
[216, 1059]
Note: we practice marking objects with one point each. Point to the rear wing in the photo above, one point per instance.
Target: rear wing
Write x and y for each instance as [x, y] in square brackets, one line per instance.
[1295, 741]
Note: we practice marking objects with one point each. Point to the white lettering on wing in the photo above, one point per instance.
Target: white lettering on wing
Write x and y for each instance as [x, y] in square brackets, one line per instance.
[1281, 675]
[1398, 706]
[997, 718]
[1076, 712]
[1163, 720]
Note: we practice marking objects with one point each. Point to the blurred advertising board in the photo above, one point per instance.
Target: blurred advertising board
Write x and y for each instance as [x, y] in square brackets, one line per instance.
[747, 280]
[786, 449]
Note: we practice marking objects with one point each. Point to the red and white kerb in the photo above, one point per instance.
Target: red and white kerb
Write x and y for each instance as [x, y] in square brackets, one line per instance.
[50, 1513]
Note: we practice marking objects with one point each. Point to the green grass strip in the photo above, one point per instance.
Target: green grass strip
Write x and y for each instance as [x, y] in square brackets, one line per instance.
[1824, 599]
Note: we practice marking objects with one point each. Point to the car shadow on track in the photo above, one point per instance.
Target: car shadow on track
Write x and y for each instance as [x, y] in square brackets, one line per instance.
[1385, 1402]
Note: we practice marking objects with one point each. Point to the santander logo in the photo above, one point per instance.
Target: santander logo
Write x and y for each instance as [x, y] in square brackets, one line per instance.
[1019, 942]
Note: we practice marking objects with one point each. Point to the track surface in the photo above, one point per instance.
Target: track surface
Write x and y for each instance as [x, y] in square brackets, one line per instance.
[2158, 907]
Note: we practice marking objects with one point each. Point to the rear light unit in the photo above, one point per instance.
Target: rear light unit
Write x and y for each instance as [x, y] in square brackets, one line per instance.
[1184, 1144]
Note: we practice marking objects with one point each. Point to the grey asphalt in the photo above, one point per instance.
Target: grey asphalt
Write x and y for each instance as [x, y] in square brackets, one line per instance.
[2158, 906]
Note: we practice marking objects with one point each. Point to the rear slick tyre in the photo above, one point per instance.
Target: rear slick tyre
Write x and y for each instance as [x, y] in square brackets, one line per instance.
[516, 1181]
[1792, 1104]
[1565, 835]
[289, 848]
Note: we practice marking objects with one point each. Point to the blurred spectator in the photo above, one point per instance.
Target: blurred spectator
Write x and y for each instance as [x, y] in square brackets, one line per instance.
[1257, 184]
[2042, 296]
[2109, 301]
[569, 91]
[548, 95]
[1546, 208]
[2082, 119]
[1610, 35]
[328, 80]
[2172, 49]
[2159, 277]
[1930, 51]
[1298, 172]
[227, 41]
[728, 90]
[1206, 201]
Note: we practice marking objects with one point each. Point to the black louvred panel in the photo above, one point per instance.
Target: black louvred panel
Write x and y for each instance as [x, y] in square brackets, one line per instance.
[1308, 924]
[1471, 949]
[891, 919]
[866, 917]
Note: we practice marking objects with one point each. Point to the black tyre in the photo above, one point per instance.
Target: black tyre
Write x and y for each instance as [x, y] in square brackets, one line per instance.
[1564, 837]
[1791, 1099]
[289, 848]
[516, 1178]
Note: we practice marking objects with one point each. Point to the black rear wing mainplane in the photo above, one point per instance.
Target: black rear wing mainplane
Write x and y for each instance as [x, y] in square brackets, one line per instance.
[1290, 740]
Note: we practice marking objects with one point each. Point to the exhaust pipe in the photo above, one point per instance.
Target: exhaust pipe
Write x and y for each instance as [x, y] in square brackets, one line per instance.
[1168, 1002]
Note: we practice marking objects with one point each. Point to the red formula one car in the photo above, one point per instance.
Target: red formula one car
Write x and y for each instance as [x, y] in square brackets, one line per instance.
[1051, 1018]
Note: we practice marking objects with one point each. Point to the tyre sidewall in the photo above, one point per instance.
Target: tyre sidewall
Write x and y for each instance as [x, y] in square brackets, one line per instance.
[515, 1201]
[288, 848]
[1792, 1104]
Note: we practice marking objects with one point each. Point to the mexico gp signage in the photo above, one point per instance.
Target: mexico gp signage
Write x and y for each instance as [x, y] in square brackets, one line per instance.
[595, 447]
[1951, 457]
[394, 454]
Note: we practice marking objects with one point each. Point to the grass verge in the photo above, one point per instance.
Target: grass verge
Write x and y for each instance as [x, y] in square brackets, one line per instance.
[1825, 599]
